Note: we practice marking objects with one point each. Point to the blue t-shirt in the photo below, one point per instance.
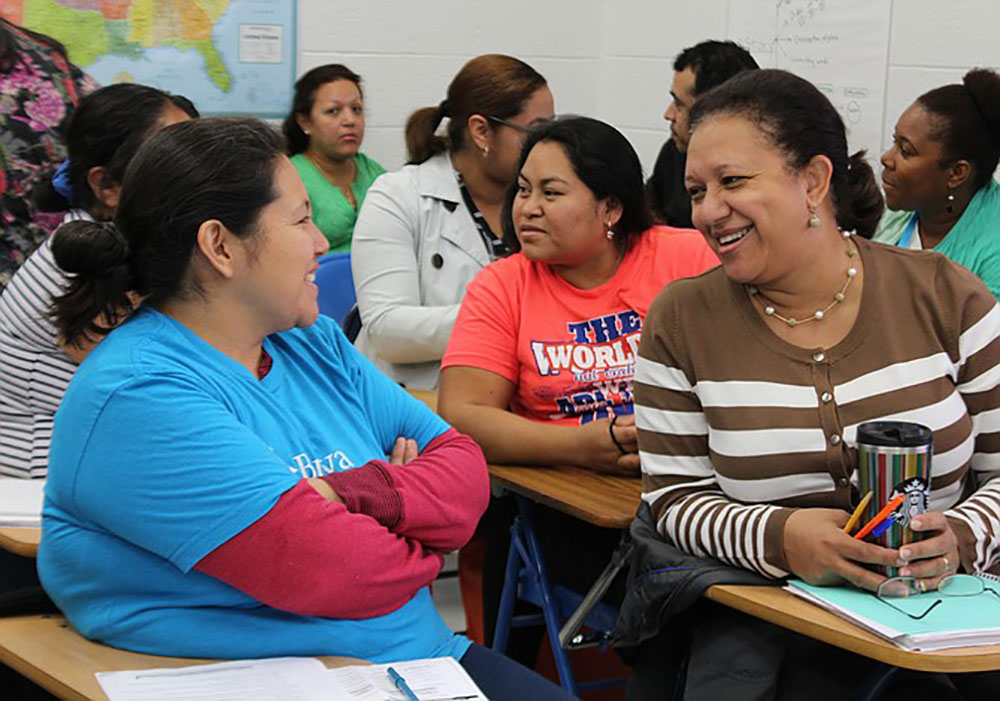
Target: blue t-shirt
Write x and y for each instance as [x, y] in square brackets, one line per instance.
[164, 448]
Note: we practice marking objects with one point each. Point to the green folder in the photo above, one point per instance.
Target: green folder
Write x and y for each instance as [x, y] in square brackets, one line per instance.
[958, 621]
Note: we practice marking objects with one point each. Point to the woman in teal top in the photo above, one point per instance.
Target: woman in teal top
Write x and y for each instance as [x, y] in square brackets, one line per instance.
[938, 176]
[324, 131]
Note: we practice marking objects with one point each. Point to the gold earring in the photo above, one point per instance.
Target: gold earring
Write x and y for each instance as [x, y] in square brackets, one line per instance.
[486, 151]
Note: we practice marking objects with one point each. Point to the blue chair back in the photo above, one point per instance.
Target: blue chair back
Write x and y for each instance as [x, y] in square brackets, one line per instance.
[336, 285]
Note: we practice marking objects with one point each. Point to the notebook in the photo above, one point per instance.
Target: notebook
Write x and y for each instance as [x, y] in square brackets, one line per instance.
[21, 502]
[292, 679]
[956, 622]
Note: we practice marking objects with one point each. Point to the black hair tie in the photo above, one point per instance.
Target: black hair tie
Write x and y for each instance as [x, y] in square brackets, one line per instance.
[611, 432]
[443, 108]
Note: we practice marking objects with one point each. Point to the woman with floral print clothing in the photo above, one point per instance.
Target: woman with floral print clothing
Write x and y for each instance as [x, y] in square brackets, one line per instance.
[39, 89]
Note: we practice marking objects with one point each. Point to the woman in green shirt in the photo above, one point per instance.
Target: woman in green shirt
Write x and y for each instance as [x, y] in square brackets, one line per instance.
[324, 131]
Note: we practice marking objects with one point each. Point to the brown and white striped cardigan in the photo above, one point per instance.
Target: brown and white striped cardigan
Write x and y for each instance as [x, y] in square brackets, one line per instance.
[737, 428]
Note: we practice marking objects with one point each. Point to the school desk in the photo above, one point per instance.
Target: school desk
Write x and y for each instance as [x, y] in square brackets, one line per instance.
[47, 650]
[604, 500]
[21, 541]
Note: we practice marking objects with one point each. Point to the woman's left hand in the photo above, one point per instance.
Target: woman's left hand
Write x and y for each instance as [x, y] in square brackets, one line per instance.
[403, 451]
[934, 557]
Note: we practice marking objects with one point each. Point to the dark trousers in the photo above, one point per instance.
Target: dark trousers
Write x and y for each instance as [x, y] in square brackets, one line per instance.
[714, 653]
[503, 679]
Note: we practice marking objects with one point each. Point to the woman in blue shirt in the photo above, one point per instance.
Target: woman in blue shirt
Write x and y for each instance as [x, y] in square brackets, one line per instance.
[218, 484]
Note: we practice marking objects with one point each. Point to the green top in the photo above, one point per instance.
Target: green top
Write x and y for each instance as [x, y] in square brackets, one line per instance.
[974, 240]
[331, 211]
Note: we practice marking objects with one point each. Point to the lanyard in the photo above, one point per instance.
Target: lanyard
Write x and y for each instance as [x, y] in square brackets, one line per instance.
[495, 246]
[904, 240]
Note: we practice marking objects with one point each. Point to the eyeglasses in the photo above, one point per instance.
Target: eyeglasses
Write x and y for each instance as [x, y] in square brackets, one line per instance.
[954, 586]
[523, 128]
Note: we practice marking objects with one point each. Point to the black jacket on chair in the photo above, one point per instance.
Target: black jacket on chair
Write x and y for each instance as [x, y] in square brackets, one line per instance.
[664, 581]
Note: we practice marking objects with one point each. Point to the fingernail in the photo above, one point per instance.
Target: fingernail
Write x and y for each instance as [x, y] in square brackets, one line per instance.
[916, 523]
[905, 554]
[904, 572]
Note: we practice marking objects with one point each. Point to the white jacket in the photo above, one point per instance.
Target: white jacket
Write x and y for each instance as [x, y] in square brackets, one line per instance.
[414, 250]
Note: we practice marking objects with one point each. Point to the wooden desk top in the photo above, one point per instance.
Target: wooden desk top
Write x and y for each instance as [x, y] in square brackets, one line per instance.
[789, 611]
[48, 651]
[21, 541]
[427, 396]
[603, 500]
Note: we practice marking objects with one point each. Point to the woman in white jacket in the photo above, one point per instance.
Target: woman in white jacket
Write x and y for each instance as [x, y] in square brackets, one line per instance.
[426, 230]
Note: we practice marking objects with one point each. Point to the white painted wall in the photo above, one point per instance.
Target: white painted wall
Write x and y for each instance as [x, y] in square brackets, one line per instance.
[606, 58]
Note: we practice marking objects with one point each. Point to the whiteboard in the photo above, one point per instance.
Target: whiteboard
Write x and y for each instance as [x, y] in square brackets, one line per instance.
[841, 46]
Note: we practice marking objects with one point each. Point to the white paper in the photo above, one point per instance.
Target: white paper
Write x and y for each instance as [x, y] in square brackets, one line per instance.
[841, 47]
[21, 502]
[275, 679]
[260, 43]
[437, 678]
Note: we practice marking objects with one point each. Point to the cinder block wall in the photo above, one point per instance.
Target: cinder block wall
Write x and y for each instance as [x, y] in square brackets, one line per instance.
[605, 58]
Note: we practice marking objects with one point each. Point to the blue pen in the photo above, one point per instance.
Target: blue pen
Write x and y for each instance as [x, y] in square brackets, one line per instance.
[401, 684]
[881, 528]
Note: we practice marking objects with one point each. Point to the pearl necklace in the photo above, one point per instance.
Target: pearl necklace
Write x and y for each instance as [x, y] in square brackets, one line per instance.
[819, 314]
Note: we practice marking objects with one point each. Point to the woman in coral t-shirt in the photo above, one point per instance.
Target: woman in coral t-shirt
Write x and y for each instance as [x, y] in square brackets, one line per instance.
[540, 363]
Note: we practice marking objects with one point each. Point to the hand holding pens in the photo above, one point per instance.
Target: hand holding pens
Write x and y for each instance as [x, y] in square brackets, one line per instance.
[879, 524]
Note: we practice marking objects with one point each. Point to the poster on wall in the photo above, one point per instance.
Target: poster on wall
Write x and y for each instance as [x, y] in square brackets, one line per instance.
[841, 46]
[227, 56]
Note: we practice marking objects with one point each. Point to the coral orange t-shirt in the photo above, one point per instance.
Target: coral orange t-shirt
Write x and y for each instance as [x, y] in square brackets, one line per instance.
[569, 352]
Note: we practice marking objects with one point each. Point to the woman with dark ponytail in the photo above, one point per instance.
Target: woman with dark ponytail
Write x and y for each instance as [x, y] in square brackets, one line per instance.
[103, 136]
[938, 176]
[221, 455]
[751, 381]
[426, 230]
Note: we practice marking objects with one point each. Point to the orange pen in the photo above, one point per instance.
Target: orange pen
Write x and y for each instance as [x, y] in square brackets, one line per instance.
[879, 517]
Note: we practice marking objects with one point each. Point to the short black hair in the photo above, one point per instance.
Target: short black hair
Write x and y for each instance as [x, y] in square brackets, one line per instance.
[607, 164]
[107, 129]
[714, 62]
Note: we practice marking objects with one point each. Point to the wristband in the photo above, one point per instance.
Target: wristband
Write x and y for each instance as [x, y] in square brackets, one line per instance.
[611, 432]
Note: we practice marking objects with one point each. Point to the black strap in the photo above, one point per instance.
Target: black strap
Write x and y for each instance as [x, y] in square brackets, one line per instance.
[495, 246]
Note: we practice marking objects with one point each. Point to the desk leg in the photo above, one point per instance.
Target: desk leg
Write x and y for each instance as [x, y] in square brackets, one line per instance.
[509, 593]
[526, 555]
[600, 587]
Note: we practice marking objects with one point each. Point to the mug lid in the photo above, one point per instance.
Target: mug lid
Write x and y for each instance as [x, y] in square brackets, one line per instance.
[899, 434]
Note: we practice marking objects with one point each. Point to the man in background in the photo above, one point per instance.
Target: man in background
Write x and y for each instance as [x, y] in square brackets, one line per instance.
[697, 69]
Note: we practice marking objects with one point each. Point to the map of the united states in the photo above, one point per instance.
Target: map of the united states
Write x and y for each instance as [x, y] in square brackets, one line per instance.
[226, 55]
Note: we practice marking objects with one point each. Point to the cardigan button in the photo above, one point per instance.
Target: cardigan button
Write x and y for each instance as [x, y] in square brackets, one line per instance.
[436, 260]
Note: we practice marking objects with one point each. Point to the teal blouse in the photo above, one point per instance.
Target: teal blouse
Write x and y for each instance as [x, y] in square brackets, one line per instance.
[973, 242]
